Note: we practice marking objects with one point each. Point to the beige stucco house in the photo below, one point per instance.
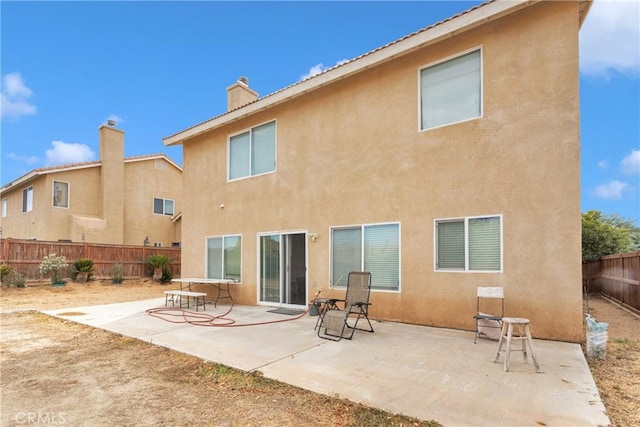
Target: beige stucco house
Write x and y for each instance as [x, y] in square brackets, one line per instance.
[117, 200]
[440, 162]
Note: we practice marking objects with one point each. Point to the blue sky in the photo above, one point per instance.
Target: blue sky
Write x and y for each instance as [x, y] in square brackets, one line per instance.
[160, 67]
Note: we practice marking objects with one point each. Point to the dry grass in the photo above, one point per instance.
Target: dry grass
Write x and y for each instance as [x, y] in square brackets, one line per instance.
[618, 375]
[69, 373]
[122, 381]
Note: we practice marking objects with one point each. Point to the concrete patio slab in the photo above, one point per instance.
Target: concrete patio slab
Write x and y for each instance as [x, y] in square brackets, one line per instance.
[428, 373]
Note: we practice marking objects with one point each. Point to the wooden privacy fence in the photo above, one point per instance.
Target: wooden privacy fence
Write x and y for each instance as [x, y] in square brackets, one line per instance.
[616, 276]
[24, 256]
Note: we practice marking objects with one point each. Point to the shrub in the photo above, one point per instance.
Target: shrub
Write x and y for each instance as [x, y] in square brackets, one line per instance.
[9, 277]
[53, 265]
[82, 265]
[16, 279]
[159, 262]
[5, 271]
[117, 273]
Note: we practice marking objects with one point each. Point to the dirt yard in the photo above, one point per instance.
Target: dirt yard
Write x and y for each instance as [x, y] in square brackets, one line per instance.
[618, 375]
[59, 372]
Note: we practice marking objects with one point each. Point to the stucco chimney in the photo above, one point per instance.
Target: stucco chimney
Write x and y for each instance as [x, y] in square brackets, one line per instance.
[239, 94]
[112, 181]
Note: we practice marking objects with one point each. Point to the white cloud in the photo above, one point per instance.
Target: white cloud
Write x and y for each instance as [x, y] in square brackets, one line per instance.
[610, 38]
[603, 164]
[15, 96]
[630, 165]
[320, 68]
[66, 152]
[25, 159]
[611, 191]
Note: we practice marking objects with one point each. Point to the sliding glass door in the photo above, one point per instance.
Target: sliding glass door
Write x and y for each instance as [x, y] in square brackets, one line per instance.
[283, 269]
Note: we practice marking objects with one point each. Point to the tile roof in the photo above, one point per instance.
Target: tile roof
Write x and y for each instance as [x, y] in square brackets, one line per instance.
[466, 19]
[80, 165]
[342, 64]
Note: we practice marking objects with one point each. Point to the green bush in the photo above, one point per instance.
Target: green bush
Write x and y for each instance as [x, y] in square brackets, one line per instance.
[9, 277]
[5, 271]
[54, 266]
[159, 262]
[82, 265]
[16, 279]
[117, 273]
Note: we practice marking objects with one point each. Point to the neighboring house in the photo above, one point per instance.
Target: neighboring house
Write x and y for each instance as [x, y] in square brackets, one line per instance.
[113, 200]
[440, 162]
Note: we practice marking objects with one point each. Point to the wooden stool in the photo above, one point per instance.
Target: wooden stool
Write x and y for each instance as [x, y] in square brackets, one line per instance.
[524, 335]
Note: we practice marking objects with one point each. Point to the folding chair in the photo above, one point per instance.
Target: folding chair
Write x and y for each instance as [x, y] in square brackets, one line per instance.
[334, 321]
[491, 300]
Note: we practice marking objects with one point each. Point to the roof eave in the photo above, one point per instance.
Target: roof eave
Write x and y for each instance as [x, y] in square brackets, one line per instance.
[30, 176]
[464, 22]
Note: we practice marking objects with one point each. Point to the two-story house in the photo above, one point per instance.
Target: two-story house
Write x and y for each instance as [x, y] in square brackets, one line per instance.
[117, 200]
[440, 162]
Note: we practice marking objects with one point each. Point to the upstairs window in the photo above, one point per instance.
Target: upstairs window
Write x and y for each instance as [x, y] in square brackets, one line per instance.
[451, 91]
[4, 208]
[469, 244]
[162, 206]
[60, 194]
[253, 152]
[27, 199]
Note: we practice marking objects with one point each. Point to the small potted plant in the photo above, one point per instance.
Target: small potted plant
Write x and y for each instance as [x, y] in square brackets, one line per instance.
[159, 264]
[53, 265]
[82, 270]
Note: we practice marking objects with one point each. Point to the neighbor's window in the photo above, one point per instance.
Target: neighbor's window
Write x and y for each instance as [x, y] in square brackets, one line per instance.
[60, 194]
[253, 152]
[27, 199]
[4, 208]
[469, 244]
[451, 91]
[160, 164]
[373, 248]
[224, 257]
[162, 206]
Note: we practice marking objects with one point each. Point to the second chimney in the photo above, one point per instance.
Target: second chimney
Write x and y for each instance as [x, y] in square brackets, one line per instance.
[239, 94]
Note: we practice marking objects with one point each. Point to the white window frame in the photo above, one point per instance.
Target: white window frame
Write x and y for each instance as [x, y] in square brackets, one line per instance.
[5, 204]
[27, 199]
[53, 194]
[362, 228]
[206, 255]
[442, 61]
[160, 164]
[466, 268]
[250, 132]
[164, 206]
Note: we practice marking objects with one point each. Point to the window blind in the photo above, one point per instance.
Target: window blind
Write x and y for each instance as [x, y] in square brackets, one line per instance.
[484, 244]
[450, 245]
[346, 254]
[451, 91]
[382, 255]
